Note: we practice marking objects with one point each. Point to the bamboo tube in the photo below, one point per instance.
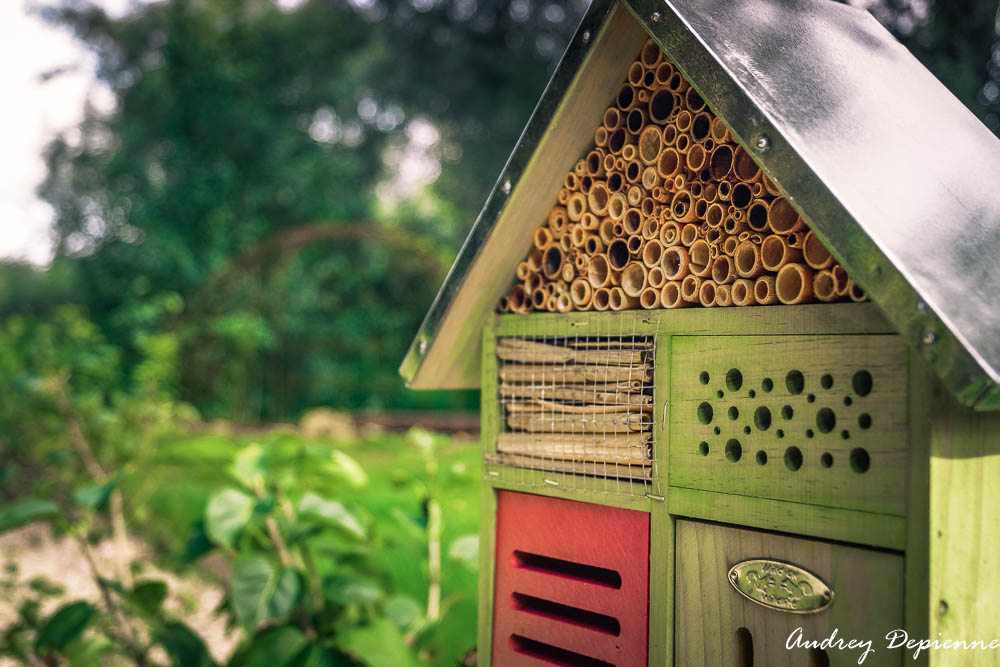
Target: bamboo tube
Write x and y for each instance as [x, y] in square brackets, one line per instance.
[667, 164]
[676, 83]
[538, 299]
[651, 229]
[597, 198]
[757, 188]
[713, 236]
[569, 447]
[577, 235]
[618, 254]
[690, 287]
[542, 237]
[701, 126]
[614, 393]
[721, 162]
[684, 120]
[742, 195]
[713, 251]
[815, 253]
[616, 180]
[782, 218]
[661, 105]
[617, 205]
[601, 136]
[743, 236]
[634, 277]
[636, 120]
[648, 206]
[593, 244]
[681, 207]
[695, 188]
[856, 293]
[621, 301]
[714, 215]
[581, 261]
[719, 132]
[711, 192]
[795, 239]
[642, 96]
[522, 271]
[589, 221]
[547, 422]
[576, 206]
[757, 239]
[649, 298]
[650, 144]
[706, 293]
[568, 271]
[725, 190]
[632, 221]
[775, 253]
[563, 196]
[656, 278]
[634, 243]
[663, 73]
[601, 299]
[572, 181]
[650, 56]
[669, 135]
[742, 292]
[723, 296]
[635, 74]
[730, 245]
[503, 306]
[634, 195]
[793, 284]
[650, 179]
[595, 163]
[599, 271]
[764, 290]
[696, 157]
[552, 261]
[700, 258]
[744, 166]
[629, 152]
[580, 168]
[619, 230]
[748, 262]
[517, 299]
[824, 285]
[652, 251]
[534, 281]
[757, 215]
[683, 142]
[563, 303]
[565, 243]
[626, 97]
[532, 352]
[609, 164]
[733, 227]
[841, 279]
[670, 233]
[558, 218]
[550, 303]
[770, 187]
[689, 234]
[670, 295]
[606, 231]
[675, 262]
[612, 119]
[617, 140]
[723, 271]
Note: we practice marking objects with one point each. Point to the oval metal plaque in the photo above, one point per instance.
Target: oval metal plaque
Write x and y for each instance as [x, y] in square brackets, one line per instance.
[781, 586]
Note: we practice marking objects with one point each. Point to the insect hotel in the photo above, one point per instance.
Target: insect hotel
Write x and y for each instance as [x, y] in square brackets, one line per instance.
[733, 307]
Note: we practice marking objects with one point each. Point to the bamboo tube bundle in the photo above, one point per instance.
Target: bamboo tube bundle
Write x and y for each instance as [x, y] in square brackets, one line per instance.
[666, 188]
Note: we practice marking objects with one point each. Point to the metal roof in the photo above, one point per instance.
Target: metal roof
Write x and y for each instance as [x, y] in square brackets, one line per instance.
[887, 166]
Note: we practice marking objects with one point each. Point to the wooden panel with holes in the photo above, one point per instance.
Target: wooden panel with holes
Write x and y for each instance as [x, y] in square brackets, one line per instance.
[810, 419]
[716, 625]
[571, 583]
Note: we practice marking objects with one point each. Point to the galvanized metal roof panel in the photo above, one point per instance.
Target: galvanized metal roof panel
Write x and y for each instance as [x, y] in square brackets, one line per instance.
[889, 168]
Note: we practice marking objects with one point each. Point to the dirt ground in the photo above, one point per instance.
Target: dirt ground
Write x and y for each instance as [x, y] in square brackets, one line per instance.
[38, 553]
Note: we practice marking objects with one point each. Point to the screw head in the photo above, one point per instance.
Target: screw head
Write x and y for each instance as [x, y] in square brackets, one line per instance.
[929, 338]
[506, 187]
[763, 143]
[655, 17]
[585, 37]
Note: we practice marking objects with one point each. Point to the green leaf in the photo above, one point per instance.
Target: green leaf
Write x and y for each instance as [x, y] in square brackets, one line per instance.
[94, 496]
[402, 610]
[465, 550]
[20, 513]
[148, 595]
[378, 644]
[260, 592]
[64, 626]
[349, 589]
[350, 468]
[276, 647]
[333, 512]
[227, 514]
[250, 466]
[183, 646]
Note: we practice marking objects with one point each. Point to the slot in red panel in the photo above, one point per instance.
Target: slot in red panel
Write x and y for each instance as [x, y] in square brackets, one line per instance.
[572, 583]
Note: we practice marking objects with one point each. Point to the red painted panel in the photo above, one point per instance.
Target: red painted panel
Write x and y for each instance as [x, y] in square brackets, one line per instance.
[572, 583]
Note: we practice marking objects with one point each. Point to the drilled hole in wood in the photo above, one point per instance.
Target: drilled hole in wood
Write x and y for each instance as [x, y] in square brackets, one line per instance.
[860, 460]
[734, 450]
[734, 413]
[734, 379]
[845, 435]
[704, 377]
[811, 398]
[762, 418]
[826, 381]
[793, 458]
[780, 433]
[720, 394]
[795, 382]
[752, 394]
[826, 420]
[848, 400]
[767, 384]
[705, 413]
[744, 648]
[761, 457]
[864, 420]
[862, 383]
[747, 429]
[809, 433]
[703, 448]
[826, 460]
[716, 430]
[787, 412]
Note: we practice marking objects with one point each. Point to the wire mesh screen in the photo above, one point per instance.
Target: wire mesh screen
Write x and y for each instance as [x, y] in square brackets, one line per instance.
[578, 400]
